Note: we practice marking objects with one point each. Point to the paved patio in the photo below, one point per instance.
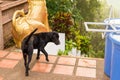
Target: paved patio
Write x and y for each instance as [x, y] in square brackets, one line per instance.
[58, 68]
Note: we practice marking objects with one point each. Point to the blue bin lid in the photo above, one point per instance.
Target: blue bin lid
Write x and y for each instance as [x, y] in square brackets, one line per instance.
[112, 20]
[115, 38]
[115, 21]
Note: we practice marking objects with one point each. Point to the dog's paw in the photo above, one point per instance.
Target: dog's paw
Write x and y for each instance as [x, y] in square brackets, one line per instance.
[28, 68]
[26, 74]
[47, 60]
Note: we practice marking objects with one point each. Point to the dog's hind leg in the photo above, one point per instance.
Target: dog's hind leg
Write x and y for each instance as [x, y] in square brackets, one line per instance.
[38, 54]
[29, 60]
[45, 53]
[25, 59]
[27, 65]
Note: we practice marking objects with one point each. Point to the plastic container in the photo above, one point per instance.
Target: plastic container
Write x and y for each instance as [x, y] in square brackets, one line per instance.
[107, 57]
[115, 60]
[115, 21]
[108, 45]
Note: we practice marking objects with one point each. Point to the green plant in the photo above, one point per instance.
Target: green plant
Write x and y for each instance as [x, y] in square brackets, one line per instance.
[60, 6]
[77, 39]
[60, 52]
[94, 54]
[69, 44]
[77, 11]
[62, 22]
[85, 43]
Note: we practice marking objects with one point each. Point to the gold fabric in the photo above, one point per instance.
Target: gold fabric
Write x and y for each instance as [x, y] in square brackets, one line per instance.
[36, 17]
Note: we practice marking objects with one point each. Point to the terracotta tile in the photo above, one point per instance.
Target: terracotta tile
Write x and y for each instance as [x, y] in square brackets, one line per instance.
[3, 53]
[86, 72]
[87, 63]
[8, 63]
[61, 69]
[42, 67]
[15, 55]
[52, 59]
[1, 78]
[67, 61]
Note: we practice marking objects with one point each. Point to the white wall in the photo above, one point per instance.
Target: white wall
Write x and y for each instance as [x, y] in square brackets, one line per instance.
[53, 49]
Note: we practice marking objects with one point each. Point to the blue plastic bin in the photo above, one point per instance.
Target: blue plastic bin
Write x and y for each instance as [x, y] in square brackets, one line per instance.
[107, 57]
[115, 60]
[108, 46]
[114, 21]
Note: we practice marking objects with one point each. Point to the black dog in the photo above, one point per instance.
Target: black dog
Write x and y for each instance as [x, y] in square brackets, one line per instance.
[37, 41]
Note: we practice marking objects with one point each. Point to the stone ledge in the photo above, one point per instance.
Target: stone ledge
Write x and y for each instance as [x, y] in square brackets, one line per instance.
[7, 9]
[9, 4]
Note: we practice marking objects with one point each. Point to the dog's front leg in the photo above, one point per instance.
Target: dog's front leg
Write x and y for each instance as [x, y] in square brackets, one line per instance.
[45, 53]
[38, 54]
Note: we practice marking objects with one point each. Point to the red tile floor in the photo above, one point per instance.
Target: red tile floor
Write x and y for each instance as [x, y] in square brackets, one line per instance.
[73, 68]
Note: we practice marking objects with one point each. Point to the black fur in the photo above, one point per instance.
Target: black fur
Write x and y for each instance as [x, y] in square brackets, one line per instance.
[37, 41]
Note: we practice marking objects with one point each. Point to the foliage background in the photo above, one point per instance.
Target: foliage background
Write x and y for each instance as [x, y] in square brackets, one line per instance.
[68, 16]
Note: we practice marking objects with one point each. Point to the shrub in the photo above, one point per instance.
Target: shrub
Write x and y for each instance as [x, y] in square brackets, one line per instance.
[62, 22]
[85, 43]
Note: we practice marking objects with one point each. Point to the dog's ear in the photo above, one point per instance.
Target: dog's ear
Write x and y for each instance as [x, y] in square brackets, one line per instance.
[54, 31]
[55, 35]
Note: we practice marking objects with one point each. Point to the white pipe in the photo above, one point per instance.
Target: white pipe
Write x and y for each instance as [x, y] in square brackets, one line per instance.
[110, 15]
[106, 25]
[101, 30]
[101, 23]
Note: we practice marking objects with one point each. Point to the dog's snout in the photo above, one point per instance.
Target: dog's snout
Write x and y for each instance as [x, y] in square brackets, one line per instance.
[57, 42]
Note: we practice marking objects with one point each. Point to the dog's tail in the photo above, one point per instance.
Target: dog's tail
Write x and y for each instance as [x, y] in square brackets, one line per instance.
[29, 36]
